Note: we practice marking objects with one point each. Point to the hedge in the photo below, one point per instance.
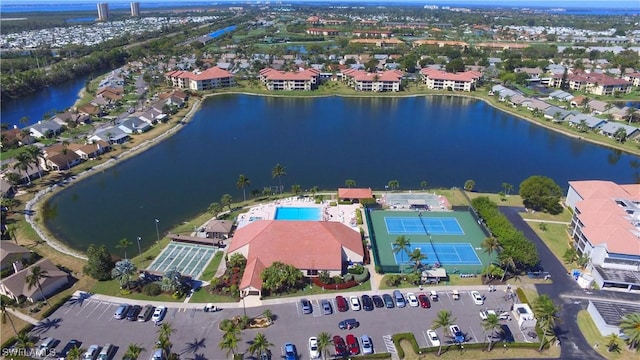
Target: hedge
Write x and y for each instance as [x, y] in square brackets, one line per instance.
[359, 217]
[349, 284]
[360, 278]
[375, 356]
[522, 297]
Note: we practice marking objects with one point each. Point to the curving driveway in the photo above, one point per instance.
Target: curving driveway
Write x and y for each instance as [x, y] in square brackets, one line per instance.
[573, 343]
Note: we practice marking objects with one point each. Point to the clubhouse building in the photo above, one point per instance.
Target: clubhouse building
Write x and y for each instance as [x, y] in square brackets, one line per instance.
[606, 227]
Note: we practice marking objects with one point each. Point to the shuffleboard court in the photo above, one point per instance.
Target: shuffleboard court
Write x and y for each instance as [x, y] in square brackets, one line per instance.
[444, 253]
[188, 259]
[423, 225]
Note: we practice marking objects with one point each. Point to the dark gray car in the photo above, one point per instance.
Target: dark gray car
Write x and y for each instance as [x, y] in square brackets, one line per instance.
[327, 309]
[306, 306]
[388, 301]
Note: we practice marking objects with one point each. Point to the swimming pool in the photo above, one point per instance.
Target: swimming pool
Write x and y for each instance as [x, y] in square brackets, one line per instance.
[298, 213]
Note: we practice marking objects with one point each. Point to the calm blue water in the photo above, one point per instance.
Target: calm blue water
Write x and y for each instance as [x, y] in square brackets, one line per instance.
[298, 213]
[321, 142]
[298, 48]
[34, 106]
[218, 33]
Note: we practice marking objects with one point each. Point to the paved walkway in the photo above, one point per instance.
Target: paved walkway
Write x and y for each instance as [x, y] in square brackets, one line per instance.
[24, 317]
[547, 221]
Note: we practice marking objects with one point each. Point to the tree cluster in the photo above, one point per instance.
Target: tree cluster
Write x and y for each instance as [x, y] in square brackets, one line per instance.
[280, 278]
[99, 263]
[515, 246]
[542, 194]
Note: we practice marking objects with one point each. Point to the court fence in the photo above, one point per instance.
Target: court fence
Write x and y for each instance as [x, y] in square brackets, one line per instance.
[475, 216]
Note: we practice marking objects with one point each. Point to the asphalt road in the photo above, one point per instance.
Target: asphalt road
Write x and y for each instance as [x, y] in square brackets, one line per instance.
[573, 343]
[197, 335]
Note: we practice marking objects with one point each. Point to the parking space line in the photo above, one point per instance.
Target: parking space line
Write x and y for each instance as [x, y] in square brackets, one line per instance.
[316, 306]
[105, 310]
[474, 334]
[297, 312]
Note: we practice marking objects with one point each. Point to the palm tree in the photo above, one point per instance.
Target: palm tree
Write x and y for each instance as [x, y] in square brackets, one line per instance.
[35, 153]
[492, 324]
[215, 208]
[507, 262]
[23, 340]
[4, 309]
[630, 326]
[620, 135]
[324, 343]
[350, 183]
[124, 243]
[393, 184]
[268, 314]
[416, 256]
[23, 163]
[123, 272]
[165, 330]
[402, 244]
[164, 344]
[230, 340]
[259, 344]
[133, 351]
[242, 183]
[296, 189]
[33, 279]
[75, 353]
[507, 188]
[443, 320]
[490, 245]
[547, 314]
[278, 171]
[226, 200]
[423, 184]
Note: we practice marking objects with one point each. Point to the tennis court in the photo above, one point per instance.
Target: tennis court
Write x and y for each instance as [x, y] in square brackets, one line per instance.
[188, 259]
[420, 225]
[445, 254]
[455, 235]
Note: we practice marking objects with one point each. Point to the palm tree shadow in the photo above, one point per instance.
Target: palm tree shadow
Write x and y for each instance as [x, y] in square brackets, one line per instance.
[199, 357]
[194, 346]
[77, 300]
[46, 324]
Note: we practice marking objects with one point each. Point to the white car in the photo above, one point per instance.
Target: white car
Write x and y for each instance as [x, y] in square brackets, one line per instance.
[314, 353]
[355, 303]
[367, 346]
[412, 299]
[484, 314]
[159, 314]
[477, 298]
[433, 337]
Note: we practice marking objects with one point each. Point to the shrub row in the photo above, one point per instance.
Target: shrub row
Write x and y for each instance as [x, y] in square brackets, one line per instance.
[358, 216]
[360, 278]
[55, 306]
[345, 285]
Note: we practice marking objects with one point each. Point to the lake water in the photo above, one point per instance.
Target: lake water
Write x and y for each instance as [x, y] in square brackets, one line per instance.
[321, 142]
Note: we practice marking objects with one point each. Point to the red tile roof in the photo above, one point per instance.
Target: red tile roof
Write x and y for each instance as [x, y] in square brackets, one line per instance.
[211, 73]
[303, 244]
[303, 75]
[594, 78]
[252, 277]
[359, 75]
[465, 76]
[356, 193]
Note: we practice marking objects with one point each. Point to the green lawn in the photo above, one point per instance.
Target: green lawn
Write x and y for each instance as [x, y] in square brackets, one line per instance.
[211, 269]
[202, 296]
[112, 288]
[556, 238]
[593, 336]
[315, 290]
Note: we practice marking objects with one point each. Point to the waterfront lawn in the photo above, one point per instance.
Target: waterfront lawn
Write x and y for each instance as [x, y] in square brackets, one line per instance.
[564, 216]
[593, 337]
[556, 238]
[451, 352]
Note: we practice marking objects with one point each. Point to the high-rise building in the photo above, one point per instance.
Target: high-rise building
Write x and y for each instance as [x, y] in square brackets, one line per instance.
[135, 9]
[103, 11]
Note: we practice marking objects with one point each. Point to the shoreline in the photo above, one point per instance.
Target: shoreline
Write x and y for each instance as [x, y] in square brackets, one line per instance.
[35, 204]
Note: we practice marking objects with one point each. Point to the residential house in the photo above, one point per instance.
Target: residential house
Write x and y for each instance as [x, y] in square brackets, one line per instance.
[303, 80]
[217, 229]
[558, 114]
[152, 116]
[441, 80]
[537, 105]
[598, 106]
[311, 246]
[382, 34]
[591, 122]
[45, 129]
[7, 190]
[610, 128]
[441, 43]
[17, 287]
[90, 151]
[578, 101]
[209, 79]
[59, 157]
[90, 110]
[134, 125]
[389, 80]
[634, 78]
[518, 100]
[561, 95]
[11, 253]
[111, 135]
[605, 227]
[617, 113]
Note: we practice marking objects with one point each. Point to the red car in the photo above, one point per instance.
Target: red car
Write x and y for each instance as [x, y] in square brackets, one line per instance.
[341, 348]
[342, 304]
[424, 301]
[352, 344]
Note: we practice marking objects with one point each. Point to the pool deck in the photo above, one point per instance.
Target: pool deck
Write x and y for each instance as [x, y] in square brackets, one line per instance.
[345, 214]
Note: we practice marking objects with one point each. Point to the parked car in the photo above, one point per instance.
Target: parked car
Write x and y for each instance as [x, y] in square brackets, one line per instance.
[377, 301]
[457, 334]
[367, 346]
[91, 353]
[399, 299]
[306, 306]
[348, 324]
[412, 300]
[433, 337]
[121, 311]
[355, 303]
[367, 303]
[265, 355]
[46, 346]
[134, 311]
[341, 303]
[62, 355]
[290, 351]
[158, 354]
[484, 314]
[146, 313]
[477, 298]
[388, 301]
[107, 352]
[159, 314]
[424, 301]
[341, 348]
[327, 309]
[314, 353]
[352, 344]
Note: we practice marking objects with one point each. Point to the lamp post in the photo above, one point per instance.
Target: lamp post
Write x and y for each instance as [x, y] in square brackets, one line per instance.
[157, 232]
[244, 307]
[139, 249]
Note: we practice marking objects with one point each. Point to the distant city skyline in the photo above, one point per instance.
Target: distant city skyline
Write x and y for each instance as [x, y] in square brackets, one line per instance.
[617, 4]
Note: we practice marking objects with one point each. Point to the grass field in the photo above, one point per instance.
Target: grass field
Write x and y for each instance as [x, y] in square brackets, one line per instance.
[556, 238]
[593, 336]
[496, 353]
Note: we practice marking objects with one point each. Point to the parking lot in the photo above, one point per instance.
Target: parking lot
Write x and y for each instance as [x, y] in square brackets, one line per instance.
[91, 321]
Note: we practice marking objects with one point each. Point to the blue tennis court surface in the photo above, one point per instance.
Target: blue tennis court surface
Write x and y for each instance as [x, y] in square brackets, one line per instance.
[444, 253]
[187, 259]
[423, 225]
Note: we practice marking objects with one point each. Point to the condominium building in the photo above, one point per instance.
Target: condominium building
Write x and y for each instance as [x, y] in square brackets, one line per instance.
[442, 80]
[606, 227]
[593, 83]
[209, 79]
[306, 79]
[135, 9]
[103, 11]
[378, 82]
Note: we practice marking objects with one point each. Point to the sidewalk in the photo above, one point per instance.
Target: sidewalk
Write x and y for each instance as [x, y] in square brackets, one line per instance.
[24, 317]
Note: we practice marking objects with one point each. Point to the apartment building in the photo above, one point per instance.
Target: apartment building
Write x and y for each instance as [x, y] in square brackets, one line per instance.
[442, 80]
[212, 78]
